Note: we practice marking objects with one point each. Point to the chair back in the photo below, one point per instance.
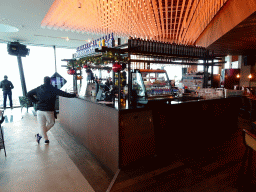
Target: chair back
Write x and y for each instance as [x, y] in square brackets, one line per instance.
[249, 139]
[246, 103]
[25, 101]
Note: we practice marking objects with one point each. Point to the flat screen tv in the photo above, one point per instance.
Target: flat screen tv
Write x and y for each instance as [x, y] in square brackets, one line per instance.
[57, 80]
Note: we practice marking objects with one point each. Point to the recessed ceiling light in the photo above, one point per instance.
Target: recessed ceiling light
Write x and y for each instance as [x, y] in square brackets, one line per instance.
[8, 28]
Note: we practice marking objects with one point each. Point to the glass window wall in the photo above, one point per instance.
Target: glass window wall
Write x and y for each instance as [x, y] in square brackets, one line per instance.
[39, 63]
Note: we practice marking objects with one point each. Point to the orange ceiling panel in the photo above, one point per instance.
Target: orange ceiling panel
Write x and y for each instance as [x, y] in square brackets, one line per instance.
[179, 21]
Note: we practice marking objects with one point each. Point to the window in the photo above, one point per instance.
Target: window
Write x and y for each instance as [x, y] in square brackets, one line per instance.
[38, 64]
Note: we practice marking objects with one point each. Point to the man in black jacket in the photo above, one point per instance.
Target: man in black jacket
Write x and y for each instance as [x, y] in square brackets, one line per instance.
[7, 87]
[45, 96]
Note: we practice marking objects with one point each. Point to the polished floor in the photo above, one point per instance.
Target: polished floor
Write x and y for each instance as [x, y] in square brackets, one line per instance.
[65, 165]
[32, 167]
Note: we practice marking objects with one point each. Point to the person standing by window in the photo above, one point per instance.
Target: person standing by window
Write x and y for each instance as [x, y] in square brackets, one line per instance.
[7, 87]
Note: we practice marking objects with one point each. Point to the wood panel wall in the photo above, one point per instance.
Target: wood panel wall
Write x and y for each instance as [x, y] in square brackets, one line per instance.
[232, 13]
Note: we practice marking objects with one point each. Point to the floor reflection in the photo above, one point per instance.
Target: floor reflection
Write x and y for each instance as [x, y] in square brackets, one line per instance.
[8, 119]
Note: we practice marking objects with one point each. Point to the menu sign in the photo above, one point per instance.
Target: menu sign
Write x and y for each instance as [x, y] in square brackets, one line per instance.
[89, 48]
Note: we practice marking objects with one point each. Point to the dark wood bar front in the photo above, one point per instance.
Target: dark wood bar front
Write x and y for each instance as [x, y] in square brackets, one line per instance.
[118, 138]
[194, 128]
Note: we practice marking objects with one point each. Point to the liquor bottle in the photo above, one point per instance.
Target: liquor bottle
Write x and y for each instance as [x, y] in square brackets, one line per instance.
[167, 48]
[103, 42]
[139, 44]
[162, 47]
[182, 50]
[159, 48]
[196, 50]
[99, 43]
[156, 47]
[200, 51]
[192, 50]
[150, 46]
[153, 46]
[185, 50]
[130, 42]
[145, 45]
[112, 40]
[142, 45]
[174, 48]
[134, 44]
[109, 40]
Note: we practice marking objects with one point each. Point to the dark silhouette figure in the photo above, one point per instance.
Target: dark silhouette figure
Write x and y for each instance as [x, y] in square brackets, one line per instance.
[7, 87]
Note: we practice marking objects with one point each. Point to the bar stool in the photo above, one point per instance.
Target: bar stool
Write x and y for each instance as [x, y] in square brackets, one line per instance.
[2, 145]
[246, 173]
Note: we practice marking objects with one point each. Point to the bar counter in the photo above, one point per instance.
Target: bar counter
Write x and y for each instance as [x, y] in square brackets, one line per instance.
[119, 137]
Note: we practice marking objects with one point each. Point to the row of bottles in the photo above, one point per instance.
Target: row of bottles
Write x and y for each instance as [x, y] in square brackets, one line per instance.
[150, 46]
[122, 79]
[89, 48]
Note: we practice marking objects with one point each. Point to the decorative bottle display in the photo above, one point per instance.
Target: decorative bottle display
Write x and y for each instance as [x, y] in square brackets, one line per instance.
[154, 47]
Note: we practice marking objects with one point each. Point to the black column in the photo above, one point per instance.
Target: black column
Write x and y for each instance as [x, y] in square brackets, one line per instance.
[212, 74]
[206, 67]
[54, 48]
[129, 74]
[22, 78]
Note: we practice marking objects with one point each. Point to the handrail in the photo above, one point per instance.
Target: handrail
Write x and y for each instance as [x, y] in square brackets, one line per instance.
[250, 134]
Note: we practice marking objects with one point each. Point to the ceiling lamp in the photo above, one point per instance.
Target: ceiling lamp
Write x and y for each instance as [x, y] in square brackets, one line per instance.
[180, 21]
[8, 28]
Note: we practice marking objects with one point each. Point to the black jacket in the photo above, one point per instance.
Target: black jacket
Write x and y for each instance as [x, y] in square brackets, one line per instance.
[45, 96]
[6, 85]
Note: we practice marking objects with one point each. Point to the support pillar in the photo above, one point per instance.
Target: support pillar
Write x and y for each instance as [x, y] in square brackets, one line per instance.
[22, 77]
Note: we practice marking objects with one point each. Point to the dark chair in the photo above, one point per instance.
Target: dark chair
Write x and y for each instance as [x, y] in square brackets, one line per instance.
[25, 102]
[2, 145]
[246, 175]
[246, 109]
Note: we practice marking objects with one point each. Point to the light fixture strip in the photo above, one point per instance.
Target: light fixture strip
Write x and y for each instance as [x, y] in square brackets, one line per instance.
[175, 21]
[181, 16]
[185, 23]
[190, 17]
[165, 29]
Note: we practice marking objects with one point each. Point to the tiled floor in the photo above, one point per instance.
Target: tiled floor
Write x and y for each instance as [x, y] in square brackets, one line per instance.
[32, 167]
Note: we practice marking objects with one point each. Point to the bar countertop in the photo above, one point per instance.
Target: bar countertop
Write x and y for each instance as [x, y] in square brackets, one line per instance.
[173, 101]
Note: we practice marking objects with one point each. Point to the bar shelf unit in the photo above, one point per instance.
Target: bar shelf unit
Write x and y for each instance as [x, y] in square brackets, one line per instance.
[148, 52]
